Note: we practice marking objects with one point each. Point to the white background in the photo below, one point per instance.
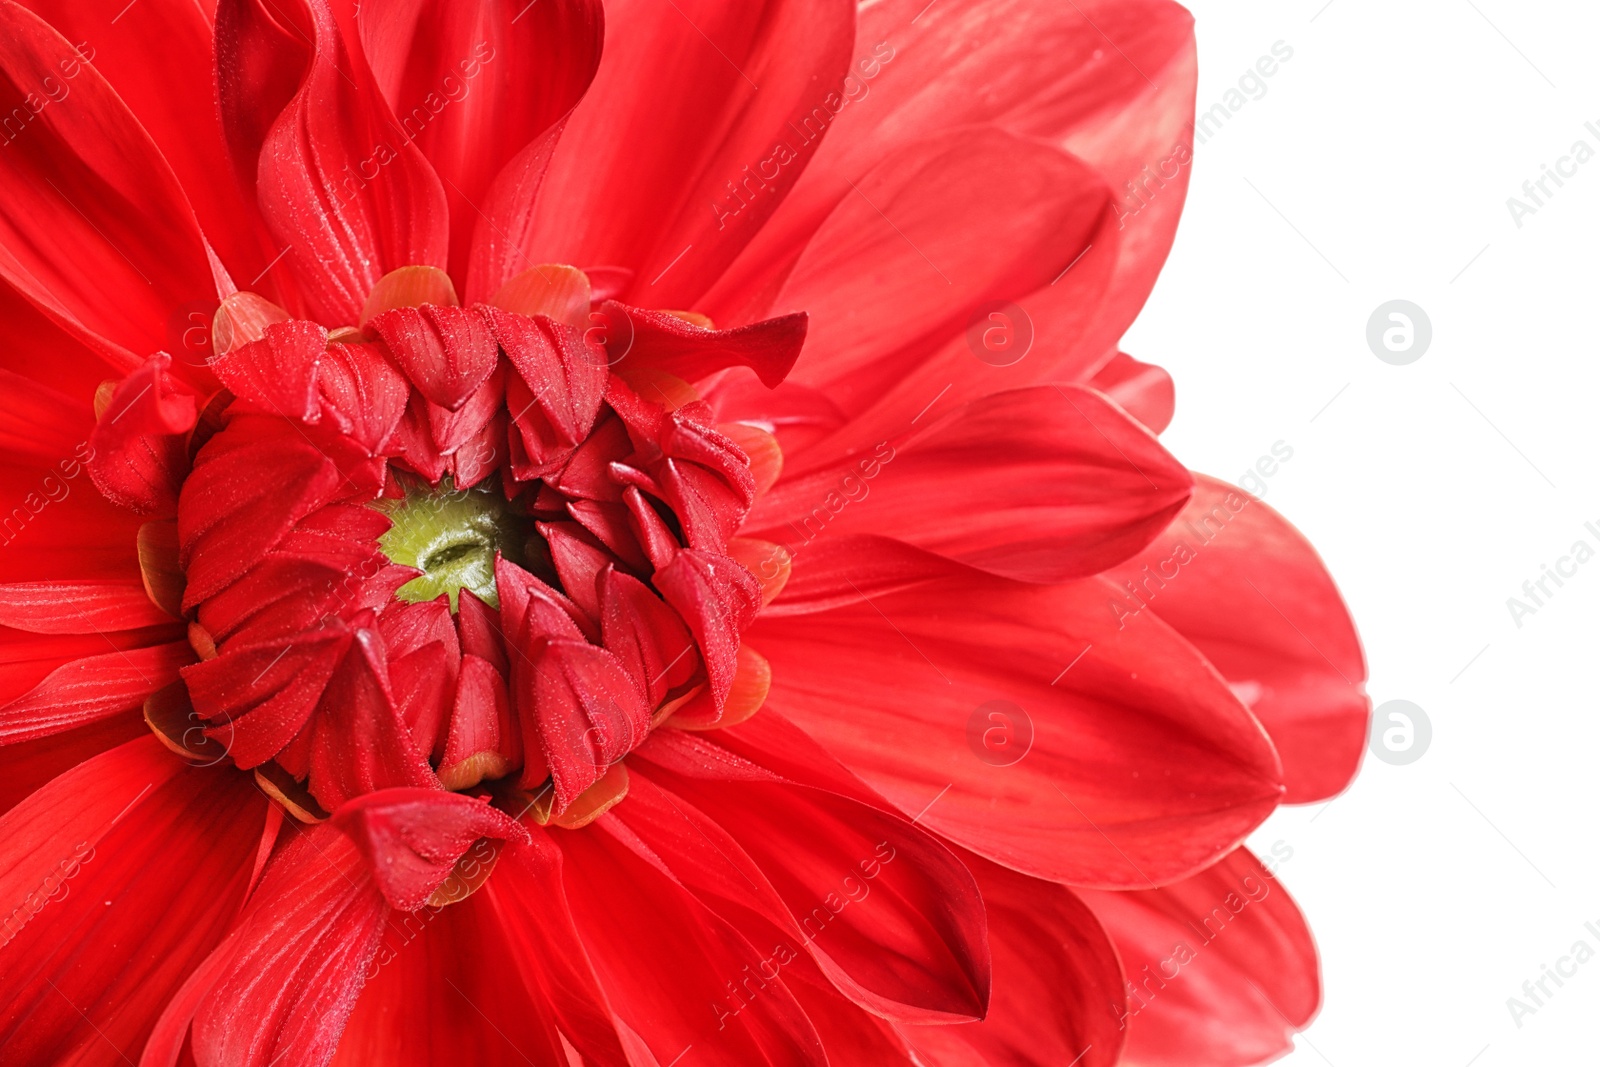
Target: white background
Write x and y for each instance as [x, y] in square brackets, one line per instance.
[1377, 166]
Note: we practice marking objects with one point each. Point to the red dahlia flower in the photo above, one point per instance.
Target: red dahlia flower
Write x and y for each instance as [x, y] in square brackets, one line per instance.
[420, 650]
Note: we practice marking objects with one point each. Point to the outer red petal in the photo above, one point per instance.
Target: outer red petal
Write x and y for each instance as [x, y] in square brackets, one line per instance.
[38, 424]
[78, 607]
[1058, 995]
[1236, 579]
[119, 877]
[51, 359]
[637, 923]
[688, 95]
[926, 242]
[530, 897]
[1143, 767]
[339, 182]
[28, 765]
[59, 525]
[440, 994]
[158, 57]
[476, 85]
[1221, 968]
[1040, 484]
[279, 988]
[94, 227]
[891, 916]
[1143, 389]
[1110, 81]
[90, 689]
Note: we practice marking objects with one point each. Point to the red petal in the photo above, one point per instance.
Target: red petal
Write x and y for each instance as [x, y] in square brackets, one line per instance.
[140, 456]
[447, 352]
[78, 607]
[432, 1000]
[530, 898]
[1142, 767]
[475, 88]
[925, 244]
[1109, 80]
[363, 392]
[1236, 579]
[61, 526]
[1040, 484]
[584, 708]
[92, 688]
[1057, 982]
[262, 54]
[891, 916]
[161, 64]
[411, 838]
[37, 423]
[687, 97]
[54, 360]
[1144, 390]
[645, 634]
[28, 765]
[279, 989]
[359, 742]
[340, 184]
[637, 922]
[248, 488]
[717, 598]
[1197, 998]
[277, 375]
[554, 396]
[94, 228]
[100, 932]
[639, 339]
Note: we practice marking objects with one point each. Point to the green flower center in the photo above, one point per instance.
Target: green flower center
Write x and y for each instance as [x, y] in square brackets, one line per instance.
[452, 536]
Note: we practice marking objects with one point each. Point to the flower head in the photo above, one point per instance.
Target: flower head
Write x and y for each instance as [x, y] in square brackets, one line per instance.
[557, 535]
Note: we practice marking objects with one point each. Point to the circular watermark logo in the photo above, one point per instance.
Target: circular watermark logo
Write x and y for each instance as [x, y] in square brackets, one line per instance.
[1401, 732]
[1000, 333]
[1399, 332]
[189, 332]
[999, 733]
[610, 334]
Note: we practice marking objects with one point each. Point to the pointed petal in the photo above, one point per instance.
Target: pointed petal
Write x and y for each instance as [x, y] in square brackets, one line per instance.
[94, 228]
[1040, 484]
[1057, 982]
[140, 452]
[412, 838]
[1121, 758]
[1238, 581]
[92, 688]
[891, 916]
[1144, 390]
[638, 338]
[641, 178]
[1197, 998]
[338, 181]
[99, 936]
[475, 86]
